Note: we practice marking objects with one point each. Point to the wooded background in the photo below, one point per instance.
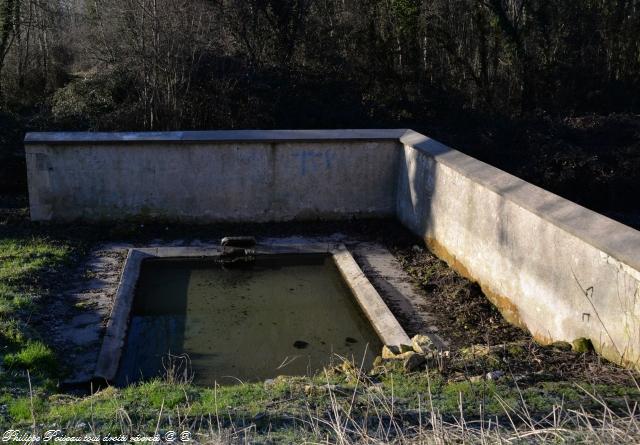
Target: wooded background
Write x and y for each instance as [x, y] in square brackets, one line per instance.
[549, 90]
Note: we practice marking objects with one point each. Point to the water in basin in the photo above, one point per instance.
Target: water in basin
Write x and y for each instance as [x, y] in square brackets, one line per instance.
[280, 315]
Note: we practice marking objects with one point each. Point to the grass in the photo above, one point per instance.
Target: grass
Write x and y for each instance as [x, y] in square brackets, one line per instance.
[21, 260]
[25, 262]
[287, 398]
[35, 356]
[352, 408]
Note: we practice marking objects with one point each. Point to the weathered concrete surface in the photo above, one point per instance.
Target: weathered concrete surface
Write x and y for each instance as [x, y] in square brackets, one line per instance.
[381, 318]
[386, 274]
[76, 316]
[219, 180]
[114, 338]
[550, 265]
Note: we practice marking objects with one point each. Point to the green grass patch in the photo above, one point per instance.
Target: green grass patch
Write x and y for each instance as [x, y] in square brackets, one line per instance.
[11, 332]
[143, 402]
[23, 263]
[249, 398]
[35, 357]
[22, 259]
[25, 409]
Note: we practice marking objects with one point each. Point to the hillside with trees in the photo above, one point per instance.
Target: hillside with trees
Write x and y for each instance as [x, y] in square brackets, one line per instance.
[549, 90]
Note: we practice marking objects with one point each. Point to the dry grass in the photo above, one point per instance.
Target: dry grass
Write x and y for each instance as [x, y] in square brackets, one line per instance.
[377, 418]
[342, 428]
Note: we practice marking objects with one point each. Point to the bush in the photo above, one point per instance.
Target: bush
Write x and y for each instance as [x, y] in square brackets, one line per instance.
[80, 103]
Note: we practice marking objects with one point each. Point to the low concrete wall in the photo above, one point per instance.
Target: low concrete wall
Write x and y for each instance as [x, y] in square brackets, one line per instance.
[212, 176]
[550, 265]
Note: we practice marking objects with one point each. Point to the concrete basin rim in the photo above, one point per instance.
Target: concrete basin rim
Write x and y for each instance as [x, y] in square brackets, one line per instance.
[368, 299]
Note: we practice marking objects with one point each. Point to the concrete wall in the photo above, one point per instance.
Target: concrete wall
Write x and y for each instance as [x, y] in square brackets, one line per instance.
[548, 264]
[212, 176]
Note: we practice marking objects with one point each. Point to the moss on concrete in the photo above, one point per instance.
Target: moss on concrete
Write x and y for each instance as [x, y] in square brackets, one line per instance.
[582, 345]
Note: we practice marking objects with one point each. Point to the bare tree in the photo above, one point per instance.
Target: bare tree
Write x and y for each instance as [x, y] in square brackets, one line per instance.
[160, 43]
[9, 16]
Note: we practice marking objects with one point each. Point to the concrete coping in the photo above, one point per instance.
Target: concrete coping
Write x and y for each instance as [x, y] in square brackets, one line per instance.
[617, 240]
[221, 136]
[384, 323]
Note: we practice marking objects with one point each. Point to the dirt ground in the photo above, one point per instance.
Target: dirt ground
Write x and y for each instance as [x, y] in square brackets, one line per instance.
[481, 339]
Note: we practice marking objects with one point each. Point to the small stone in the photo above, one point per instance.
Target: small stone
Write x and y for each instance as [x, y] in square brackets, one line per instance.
[494, 375]
[391, 351]
[238, 241]
[269, 383]
[423, 344]
[476, 378]
[561, 345]
[417, 248]
[396, 352]
[582, 345]
[330, 388]
[82, 320]
[405, 355]
[406, 348]
[83, 336]
[311, 390]
[476, 351]
[388, 352]
[413, 362]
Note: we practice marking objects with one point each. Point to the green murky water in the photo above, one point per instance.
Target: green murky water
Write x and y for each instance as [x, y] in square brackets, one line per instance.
[285, 314]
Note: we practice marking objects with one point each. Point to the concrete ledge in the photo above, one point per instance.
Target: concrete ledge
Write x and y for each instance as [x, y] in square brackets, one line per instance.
[109, 357]
[381, 318]
[81, 137]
